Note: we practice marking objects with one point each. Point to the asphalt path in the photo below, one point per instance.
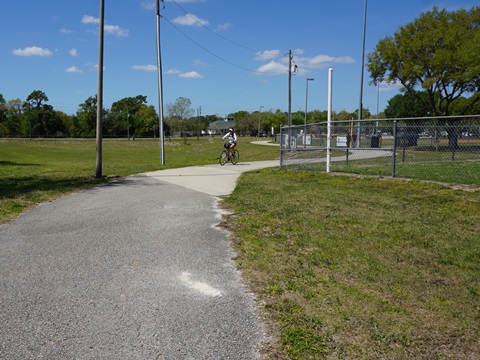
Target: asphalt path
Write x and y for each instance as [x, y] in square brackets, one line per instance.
[133, 269]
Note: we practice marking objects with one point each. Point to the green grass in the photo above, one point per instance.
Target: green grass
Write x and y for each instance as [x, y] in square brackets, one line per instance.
[358, 268]
[346, 268]
[35, 171]
[420, 164]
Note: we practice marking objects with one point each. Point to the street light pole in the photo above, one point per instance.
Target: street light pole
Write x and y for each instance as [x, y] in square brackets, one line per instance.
[306, 110]
[259, 118]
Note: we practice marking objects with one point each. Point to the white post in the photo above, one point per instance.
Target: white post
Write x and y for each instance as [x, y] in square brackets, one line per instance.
[329, 120]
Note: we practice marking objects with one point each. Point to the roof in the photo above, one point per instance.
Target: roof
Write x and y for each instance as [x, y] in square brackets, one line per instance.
[221, 125]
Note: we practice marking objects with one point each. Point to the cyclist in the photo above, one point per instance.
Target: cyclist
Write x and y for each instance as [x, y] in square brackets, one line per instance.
[232, 141]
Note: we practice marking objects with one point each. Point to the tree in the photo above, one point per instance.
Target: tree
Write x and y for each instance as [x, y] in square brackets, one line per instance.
[408, 105]
[179, 112]
[3, 116]
[87, 117]
[438, 52]
[124, 114]
[147, 121]
[41, 117]
[15, 118]
[244, 122]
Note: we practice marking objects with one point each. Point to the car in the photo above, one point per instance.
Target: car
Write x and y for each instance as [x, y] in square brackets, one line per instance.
[425, 134]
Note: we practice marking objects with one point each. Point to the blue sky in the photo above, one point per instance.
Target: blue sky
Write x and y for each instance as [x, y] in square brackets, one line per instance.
[224, 55]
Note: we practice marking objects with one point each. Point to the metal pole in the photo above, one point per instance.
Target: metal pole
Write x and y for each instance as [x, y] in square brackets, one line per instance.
[394, 150]
[259, 118]
[329, 119]
[360, 106]
[160, 90]
[98, 169]
[306, 110]
[289, 89]
[198, 126]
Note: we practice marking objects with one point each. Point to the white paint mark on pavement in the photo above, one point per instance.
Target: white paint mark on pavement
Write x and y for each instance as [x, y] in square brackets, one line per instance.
[199, 286]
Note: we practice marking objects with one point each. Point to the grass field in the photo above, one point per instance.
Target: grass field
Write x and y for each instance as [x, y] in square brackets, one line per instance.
[344, 267]
[359, 268]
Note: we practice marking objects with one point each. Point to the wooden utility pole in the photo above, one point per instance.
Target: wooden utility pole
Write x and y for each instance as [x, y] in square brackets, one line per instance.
[98, 169]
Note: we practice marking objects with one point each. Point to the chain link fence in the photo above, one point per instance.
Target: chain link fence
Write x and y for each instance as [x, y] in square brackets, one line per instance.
[445, 149]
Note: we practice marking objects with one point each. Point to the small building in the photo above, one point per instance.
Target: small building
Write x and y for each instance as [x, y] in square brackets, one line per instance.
[220, 127]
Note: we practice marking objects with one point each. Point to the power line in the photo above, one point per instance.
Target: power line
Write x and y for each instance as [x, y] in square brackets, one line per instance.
[212, 31]
[205, 49]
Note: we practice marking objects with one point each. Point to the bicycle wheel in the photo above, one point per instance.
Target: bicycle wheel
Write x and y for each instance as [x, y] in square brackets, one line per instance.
[235, 157]
[223, 157]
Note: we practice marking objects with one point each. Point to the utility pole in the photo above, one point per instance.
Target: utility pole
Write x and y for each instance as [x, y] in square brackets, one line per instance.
[290, 88]
[360, 106]
[98, 169]
[199, 114]
[160, 90]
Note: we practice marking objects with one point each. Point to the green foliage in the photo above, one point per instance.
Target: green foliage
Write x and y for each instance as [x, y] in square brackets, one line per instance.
[408, 105]
[439, 52]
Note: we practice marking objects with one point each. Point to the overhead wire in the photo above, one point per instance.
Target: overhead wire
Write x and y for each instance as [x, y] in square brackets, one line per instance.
[205, 49]
[215, 33]
[212, 31]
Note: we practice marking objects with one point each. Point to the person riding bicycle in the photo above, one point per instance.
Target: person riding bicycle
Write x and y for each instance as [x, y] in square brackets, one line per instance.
[232, 141]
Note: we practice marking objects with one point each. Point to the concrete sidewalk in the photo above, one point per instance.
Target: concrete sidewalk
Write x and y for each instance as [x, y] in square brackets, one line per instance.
[213, 180]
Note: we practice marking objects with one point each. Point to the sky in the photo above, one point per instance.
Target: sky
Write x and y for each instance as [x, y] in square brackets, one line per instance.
[223, 55]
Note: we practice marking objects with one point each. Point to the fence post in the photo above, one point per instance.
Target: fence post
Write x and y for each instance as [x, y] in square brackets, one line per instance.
[281, 146]
[394, 157]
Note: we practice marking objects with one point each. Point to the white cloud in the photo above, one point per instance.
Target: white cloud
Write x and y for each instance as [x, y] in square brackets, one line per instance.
[173, 72]
[73, 52]
[273, 68]
[224, 26]
[145, 67]
[87, 19]
[74, 69]
[189, 20]
[279, 66]
[200, 63]
[32, 51]
[109, 29]
[321, 61]
[267, 55]
[66, 31]
[149, 5]
[191, 75]
[116, 30]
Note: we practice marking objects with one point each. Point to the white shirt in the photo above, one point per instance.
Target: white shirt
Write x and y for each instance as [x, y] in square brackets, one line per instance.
[231, 138]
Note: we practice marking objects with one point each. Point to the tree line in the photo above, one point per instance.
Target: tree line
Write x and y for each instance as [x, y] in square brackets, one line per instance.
[133, 117]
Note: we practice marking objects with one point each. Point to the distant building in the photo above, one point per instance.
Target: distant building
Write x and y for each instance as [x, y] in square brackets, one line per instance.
[221, 126]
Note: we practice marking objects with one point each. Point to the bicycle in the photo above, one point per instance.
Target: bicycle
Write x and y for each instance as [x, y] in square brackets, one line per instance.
[234, 157]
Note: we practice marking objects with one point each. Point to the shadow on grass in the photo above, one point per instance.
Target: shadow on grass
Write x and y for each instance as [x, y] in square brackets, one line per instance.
[12, 188]
[9, 163]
